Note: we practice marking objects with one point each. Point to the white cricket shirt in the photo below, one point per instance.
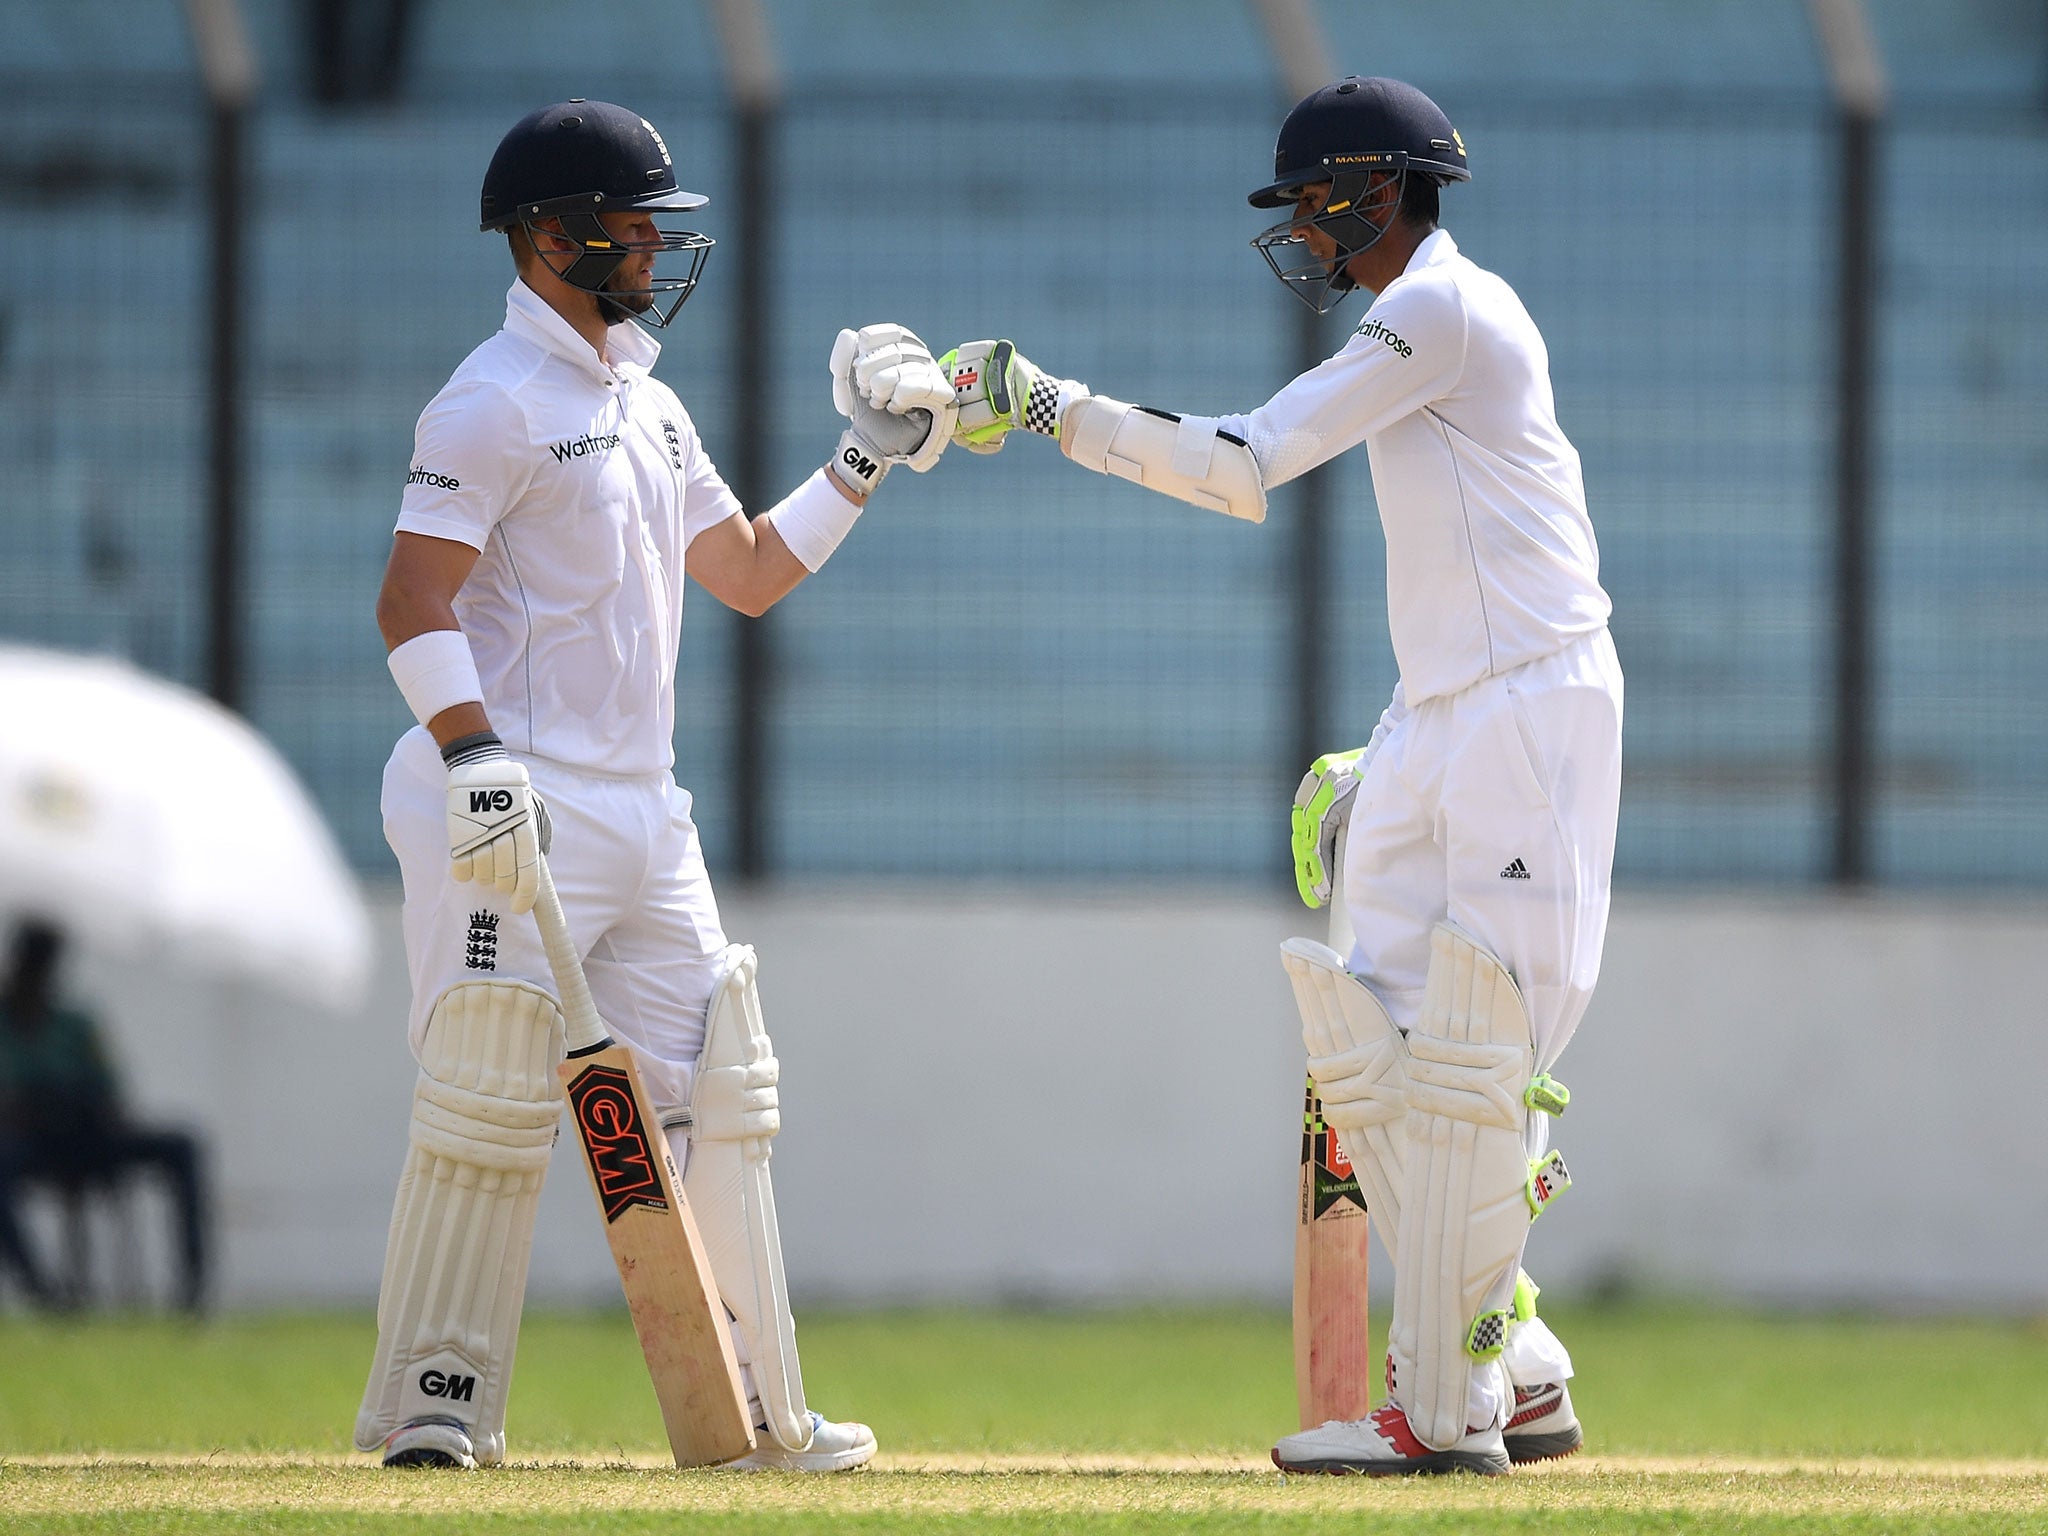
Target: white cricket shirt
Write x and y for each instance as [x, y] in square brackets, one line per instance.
[580, 485]
[1491, 560]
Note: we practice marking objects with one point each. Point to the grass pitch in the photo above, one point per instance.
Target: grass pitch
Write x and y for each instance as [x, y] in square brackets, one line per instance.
[1697, 1421]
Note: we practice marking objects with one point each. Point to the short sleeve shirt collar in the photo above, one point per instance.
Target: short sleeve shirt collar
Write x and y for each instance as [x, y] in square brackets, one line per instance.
[1437, 247]
[527, 314]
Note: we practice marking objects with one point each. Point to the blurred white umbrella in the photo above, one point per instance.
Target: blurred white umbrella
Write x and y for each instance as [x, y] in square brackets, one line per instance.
[140, 814]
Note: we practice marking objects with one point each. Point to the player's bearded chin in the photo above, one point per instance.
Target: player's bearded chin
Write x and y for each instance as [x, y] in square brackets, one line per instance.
[622, 298]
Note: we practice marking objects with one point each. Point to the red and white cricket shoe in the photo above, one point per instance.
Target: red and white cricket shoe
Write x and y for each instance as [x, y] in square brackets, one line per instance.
[1382, 1445]
[1542, 1425]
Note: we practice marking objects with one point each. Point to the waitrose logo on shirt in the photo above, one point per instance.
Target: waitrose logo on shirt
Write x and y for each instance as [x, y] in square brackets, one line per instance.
[1372, 330]
[582, 447]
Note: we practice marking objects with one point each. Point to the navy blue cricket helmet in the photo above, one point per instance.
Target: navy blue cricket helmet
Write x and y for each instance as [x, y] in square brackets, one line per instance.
[575, 160]
[1344, 134]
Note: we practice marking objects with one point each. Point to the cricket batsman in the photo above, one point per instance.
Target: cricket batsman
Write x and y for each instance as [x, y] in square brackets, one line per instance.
[533, 608]
[1481, 814]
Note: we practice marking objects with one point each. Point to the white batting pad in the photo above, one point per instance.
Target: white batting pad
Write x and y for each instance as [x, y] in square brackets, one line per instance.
[734, 1113]
[1465, 1215]
[484, 1114]
[1355, 1055]
[1185, 457]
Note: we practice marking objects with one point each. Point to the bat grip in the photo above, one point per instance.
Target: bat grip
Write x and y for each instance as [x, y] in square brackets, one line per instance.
[586, 1029]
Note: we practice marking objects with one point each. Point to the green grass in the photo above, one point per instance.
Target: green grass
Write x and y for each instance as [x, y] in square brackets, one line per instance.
[1697, 1420]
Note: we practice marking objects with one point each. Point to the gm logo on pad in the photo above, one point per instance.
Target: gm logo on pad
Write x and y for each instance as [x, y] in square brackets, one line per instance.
[457, 1389]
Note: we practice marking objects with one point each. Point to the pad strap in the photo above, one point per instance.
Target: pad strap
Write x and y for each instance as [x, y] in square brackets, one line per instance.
[1548, 1178]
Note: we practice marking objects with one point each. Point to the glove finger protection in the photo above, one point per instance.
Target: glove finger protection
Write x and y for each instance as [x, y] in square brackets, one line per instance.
[996, 390]
[898, 399]
[493, 820]
[844, 349]
[894, 369]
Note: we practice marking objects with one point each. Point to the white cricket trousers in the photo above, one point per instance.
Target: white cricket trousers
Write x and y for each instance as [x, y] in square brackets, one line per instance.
[1494, 807]
[631, 876]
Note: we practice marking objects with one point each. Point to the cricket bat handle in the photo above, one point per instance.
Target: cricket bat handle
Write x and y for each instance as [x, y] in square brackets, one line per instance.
[586, 1030]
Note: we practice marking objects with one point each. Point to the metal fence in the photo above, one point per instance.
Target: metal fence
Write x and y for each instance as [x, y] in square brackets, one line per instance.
[1016, 669]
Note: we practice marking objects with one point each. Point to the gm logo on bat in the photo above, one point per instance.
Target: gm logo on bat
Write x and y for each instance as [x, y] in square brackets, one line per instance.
[615, 1139]
[490, 800]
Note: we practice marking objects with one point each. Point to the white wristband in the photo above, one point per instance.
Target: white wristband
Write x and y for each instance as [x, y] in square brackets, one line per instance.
[812, 519]
[435, 671]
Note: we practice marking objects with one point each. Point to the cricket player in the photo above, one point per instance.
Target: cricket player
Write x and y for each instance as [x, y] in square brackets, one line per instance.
[1481, 815]
[533, 603]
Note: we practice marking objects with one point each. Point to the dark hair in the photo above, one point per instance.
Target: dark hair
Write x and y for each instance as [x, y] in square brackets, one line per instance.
[1419, 199]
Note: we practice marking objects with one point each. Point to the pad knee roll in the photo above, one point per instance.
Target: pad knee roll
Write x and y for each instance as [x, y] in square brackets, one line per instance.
[485, 1111]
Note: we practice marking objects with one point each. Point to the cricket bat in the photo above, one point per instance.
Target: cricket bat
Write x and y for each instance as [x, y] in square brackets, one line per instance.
[667, 1279]
[1333, 1364]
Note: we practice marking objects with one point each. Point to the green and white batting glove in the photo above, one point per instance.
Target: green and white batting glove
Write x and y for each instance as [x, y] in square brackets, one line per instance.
[997, 390]
[1321, 803]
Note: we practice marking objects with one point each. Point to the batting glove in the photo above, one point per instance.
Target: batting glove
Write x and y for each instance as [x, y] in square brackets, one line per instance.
[1321, 803]
[997, 390]
[497, 826]
[886, 382]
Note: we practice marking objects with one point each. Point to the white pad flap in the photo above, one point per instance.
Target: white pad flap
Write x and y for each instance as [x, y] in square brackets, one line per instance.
[1355, 1055]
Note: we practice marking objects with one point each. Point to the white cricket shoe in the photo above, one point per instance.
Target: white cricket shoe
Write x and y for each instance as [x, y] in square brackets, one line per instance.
[430, 1443]
[834, 1447]
[1382, 1445]
[1542, 1425]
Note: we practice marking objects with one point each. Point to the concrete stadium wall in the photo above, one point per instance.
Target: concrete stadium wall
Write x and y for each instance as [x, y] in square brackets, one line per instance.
[995, 1094]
